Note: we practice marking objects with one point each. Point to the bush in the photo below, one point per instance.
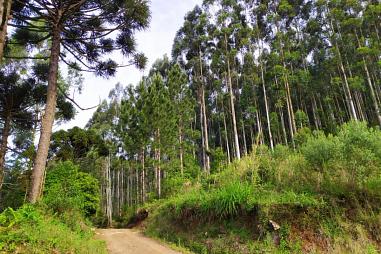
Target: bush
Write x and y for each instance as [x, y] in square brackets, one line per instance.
[67, 188]
[319, 151]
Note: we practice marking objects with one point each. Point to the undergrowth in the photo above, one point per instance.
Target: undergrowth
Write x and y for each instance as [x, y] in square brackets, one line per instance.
[30, 230]
[60, 222]
[322, 197]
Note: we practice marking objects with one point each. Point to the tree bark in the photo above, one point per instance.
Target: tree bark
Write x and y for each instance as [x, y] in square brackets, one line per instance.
[266, 101]
[47, 120]
[5, 12]
[204, 122]
[4, 144]
[235, 131]
[227, 139]
[181, 152]
[108, 192]
[143, 177]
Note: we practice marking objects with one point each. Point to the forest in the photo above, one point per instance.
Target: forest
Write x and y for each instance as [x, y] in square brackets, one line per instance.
[260, 133]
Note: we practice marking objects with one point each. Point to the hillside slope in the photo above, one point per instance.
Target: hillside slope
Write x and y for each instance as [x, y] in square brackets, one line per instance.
[323, 197]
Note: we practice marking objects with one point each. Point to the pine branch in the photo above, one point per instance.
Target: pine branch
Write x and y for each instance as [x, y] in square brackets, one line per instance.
[75, 103]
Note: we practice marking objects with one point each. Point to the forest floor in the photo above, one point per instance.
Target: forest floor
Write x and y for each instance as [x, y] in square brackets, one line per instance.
[127, 241]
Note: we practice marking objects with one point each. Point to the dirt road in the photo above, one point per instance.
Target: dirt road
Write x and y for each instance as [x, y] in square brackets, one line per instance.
[126, 241]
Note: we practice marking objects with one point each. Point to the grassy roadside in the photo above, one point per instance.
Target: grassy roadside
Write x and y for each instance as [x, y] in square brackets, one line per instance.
[31, 230]
[323, 197]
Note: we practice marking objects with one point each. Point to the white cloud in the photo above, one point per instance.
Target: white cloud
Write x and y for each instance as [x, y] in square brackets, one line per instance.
[167, 18]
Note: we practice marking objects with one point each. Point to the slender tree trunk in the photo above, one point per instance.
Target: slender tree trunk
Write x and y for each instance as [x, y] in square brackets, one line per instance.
[206, 133]
[347, 90]
[108, 192]
[227, 139]
[159, 168]
[47, 120]
[4, 143]
[371, 88]
[283, 126]
[181, 152]
[5, 12]
[203, 150]
[314, 113]
[122, 190]
[137, 186]
[117, 190]
[290, 109]
[232, 107]
[244, 138]
[128, 194]
[204, 120]
[266, 102]
[143, 177]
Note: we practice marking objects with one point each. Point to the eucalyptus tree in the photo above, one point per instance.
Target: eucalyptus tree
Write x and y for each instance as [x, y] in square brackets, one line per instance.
[82, 33]
[189, 50]
[228, 24]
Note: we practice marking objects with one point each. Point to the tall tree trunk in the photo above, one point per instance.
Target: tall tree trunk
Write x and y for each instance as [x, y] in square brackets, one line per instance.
[266, 100]
[181, 152]
[128, 194]
[108, 192]
[47, 120]
[117, 190]
[137, 186]
[371, 88]
[206, 133]
[244, 138]
[4, 144]
[122, 189]
[143, 177]
[348, 93]
[5, 12]
[315, 113]
[227, 139]
[204, 120]
[283, 126]
[203, 150]
[232, 107]
[159, 168]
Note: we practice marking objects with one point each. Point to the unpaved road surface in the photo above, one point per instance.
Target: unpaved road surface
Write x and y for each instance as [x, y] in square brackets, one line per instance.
[126, 241]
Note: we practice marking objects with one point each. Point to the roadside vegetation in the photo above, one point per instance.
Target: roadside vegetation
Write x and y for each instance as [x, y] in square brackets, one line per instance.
[322, 197]
[61, 223]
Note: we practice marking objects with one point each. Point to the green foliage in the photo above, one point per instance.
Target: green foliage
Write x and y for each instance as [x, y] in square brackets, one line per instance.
[328, 187]
[28, 230]
[67, 188]
[319, 151]
[301, 119]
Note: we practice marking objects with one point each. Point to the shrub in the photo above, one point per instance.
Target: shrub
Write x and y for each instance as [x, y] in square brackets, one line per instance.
[67, 188]
[319, 151]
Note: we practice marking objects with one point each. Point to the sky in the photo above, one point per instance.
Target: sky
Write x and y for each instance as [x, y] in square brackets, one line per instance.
[167, 17]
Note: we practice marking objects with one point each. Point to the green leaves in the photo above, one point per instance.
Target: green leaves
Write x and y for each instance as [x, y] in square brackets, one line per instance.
[68, 189]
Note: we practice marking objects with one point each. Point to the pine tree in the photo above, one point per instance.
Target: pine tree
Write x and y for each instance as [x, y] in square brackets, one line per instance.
[86, 30]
